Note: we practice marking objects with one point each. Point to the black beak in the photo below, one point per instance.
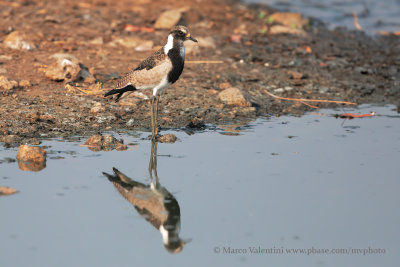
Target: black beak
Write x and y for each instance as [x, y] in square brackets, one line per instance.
[192, 39]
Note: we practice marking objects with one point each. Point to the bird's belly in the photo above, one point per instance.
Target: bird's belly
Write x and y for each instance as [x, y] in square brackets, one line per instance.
[164, 84]
[157, 88]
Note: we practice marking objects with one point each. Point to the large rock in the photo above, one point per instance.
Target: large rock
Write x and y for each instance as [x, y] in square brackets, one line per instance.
[67, 67]
[167, 138]
[133, 42]
[106, 143]
[168, 19]
[289, 19]
[7, 84]
[19, 40]
[280, 29]
[233, 96]
[31, 153]
[31, 158]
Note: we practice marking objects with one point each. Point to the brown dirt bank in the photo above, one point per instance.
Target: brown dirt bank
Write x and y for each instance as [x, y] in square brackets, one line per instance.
[317, 64]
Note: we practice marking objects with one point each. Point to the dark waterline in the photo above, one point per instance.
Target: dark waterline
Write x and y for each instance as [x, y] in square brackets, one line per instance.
[313, 182]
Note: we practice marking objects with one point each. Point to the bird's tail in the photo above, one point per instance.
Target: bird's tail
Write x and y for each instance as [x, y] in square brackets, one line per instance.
[120, 92]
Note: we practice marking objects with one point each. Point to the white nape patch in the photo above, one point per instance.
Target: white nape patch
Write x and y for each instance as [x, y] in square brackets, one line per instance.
[169, 45]
[164, 84]
[164, 234]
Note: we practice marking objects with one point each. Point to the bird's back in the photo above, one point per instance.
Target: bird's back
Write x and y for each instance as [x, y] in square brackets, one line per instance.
[148, 73]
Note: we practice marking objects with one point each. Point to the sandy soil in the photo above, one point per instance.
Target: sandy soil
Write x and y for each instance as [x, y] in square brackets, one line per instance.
[238, 51]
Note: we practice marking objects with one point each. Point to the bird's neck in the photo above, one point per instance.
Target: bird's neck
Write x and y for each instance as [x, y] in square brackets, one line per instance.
[174, 44]
[175, 51]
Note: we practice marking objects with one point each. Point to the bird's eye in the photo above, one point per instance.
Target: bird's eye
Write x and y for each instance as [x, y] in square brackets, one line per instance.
[180, 33]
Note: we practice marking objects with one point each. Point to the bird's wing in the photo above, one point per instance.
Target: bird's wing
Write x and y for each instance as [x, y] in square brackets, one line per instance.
[147, 79]
[148, 74]
[151, 61]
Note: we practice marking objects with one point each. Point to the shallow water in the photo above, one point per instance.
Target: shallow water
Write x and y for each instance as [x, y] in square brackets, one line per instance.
[374, 16]
[314, 182]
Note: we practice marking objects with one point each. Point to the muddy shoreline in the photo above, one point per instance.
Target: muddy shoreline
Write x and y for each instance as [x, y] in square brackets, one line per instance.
[239, 50]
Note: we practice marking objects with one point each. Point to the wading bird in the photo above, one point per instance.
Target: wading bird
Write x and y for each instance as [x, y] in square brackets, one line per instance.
[157, 72]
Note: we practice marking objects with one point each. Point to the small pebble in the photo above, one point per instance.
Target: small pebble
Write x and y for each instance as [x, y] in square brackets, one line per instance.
[130, 123]
[323, 90]
[25, 83]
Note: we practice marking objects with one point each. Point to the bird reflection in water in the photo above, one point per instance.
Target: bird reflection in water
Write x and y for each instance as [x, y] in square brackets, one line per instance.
[153, 202]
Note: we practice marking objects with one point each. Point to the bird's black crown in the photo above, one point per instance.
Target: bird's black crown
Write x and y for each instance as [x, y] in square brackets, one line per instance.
[181, 33]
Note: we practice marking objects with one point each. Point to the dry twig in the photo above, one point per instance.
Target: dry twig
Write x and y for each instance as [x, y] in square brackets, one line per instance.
[303, 100]
[311, 106]
[358, 26]
[352, 116]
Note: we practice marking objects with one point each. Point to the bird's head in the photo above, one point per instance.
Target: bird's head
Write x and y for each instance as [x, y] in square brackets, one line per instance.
[181, 33]
[175, 245]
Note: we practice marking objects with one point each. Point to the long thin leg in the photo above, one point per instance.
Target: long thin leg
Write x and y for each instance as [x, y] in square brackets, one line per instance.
[153, 165]
[156, 115]
[152, 117]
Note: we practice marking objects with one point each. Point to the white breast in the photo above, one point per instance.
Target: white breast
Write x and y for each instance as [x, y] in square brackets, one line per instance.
[164, 84]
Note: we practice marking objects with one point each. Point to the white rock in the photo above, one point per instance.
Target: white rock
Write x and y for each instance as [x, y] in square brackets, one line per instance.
[279, 90]
[130, 123]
